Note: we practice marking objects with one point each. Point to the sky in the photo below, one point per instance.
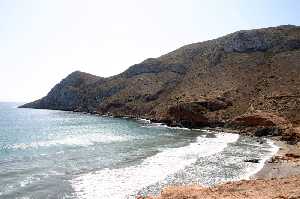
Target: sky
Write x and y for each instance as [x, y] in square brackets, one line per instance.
[42, 41]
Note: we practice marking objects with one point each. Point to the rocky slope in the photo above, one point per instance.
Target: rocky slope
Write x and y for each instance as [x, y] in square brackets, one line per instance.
[69, 94]
[210, 83]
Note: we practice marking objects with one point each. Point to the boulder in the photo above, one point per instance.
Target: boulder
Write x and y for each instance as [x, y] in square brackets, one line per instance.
[252, 160]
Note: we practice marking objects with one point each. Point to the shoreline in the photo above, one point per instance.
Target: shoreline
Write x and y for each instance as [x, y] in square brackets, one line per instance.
[286, 162]
[274, 167]
[281, 170]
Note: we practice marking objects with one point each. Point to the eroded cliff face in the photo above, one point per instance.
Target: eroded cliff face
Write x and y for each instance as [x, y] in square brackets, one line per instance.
[201, 84]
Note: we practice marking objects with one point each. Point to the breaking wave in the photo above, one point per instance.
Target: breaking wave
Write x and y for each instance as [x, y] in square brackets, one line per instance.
[73, 140]
[125, 182]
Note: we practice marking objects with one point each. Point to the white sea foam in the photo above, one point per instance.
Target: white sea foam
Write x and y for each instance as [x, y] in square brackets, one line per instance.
[161, 125]
[250, 171]
[144, 120]
[254, 168]
[74, 140]
[125, 182]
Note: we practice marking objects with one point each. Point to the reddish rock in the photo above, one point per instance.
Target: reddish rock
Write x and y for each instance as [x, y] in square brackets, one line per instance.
[262, 119]
[193, 114]
[266, 124]
[261, 188]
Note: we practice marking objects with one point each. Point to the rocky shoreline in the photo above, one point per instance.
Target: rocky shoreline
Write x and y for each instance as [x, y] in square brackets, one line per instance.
[256, 123]
[279, 173]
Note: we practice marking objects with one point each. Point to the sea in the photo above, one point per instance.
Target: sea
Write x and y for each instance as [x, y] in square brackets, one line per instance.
[58, 154]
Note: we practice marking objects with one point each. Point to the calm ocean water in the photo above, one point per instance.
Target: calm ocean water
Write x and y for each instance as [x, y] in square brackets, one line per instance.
[56, 154]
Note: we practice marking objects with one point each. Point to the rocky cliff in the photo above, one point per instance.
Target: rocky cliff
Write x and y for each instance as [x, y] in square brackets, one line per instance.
[211, 83]
[69, 94]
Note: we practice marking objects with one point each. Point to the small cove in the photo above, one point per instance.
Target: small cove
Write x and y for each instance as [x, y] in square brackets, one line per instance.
[56, 154]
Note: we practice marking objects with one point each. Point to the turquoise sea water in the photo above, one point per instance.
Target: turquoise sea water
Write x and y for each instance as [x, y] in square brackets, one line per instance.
[56, 154]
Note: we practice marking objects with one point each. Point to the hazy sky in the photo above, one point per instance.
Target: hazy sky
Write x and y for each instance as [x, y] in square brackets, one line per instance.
[42, 41]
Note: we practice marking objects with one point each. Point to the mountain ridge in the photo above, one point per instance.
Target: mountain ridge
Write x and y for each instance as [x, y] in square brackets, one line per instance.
[208, 83]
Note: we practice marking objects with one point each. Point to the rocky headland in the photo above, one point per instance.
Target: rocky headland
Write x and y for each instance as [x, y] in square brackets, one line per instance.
[248, 80]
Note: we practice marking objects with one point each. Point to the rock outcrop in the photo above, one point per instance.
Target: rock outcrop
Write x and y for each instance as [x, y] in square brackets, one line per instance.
[202, 84]
[263, 124]
[69, 94]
